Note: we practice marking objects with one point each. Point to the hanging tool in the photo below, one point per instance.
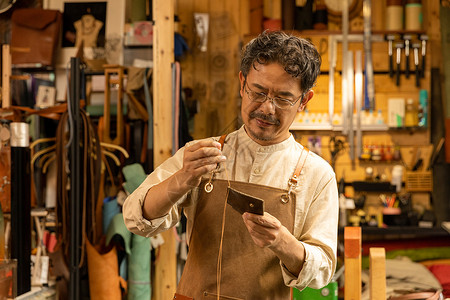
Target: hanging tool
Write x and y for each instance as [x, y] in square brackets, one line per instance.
[407, 39]
[416, 47]
[345, 26]
[367, 43]
[424, 39]
[358, 100]
[336, 146]
[390, 38]
[398, 47]
[351, 100]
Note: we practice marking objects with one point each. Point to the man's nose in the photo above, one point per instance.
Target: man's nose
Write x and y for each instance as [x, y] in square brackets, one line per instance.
[268, 105]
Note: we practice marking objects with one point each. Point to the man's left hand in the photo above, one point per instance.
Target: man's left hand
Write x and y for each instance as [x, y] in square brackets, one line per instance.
[265, 230]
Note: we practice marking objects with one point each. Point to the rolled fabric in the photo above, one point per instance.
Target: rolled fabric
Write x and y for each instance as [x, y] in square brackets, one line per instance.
[110, 209]
[139, 286]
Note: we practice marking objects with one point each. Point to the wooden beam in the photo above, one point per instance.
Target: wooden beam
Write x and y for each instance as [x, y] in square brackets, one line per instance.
[164, 284]
[352, 262]
[377, 282]
[6, 76]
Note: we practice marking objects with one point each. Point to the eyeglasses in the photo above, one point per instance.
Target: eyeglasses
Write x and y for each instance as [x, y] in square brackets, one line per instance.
[279, 102]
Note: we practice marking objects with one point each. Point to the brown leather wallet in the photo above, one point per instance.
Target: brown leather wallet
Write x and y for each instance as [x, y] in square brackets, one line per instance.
[242, 202]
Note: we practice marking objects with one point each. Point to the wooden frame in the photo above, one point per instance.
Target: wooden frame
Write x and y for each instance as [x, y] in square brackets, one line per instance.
[114, 31]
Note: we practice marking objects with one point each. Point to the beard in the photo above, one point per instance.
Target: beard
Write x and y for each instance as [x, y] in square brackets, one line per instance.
[267, 118]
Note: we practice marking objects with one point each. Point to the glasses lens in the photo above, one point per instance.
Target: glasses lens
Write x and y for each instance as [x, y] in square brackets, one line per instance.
[282, 103]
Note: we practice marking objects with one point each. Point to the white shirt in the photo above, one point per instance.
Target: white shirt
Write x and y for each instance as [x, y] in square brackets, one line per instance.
[317, 205]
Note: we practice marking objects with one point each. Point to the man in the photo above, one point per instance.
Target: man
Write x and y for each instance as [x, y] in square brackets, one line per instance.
[250, 256]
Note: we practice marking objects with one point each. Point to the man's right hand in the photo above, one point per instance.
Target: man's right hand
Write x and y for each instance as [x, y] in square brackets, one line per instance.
[200, 159]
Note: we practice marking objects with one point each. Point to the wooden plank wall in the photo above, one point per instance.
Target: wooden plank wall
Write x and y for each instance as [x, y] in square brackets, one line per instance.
[213, 74]
[385, 88]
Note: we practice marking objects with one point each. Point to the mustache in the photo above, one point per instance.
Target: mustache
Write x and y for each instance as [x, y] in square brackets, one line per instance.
[264, 117]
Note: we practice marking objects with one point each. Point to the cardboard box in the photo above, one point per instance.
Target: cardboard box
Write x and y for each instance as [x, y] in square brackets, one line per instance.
[396, 112]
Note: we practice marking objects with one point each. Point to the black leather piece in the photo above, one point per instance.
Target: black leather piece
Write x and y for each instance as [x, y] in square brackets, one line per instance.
[242, 202]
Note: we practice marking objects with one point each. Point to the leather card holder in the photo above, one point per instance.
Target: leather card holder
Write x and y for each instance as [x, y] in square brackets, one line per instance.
[242, 202]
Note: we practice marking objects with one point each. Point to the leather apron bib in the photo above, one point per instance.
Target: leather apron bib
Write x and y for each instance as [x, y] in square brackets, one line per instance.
[247, 271]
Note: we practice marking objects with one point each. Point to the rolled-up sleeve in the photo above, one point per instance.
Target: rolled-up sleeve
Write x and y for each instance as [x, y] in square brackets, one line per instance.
[132, 207]
[319, 238]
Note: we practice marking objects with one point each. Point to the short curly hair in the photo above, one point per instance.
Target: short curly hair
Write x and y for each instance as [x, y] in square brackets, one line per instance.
[298, 56]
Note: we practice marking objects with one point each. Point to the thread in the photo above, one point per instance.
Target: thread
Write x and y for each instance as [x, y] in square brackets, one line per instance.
[394, 15]
[413, 15]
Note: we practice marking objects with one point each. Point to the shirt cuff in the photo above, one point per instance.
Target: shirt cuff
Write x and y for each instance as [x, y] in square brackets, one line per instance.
[312, 274]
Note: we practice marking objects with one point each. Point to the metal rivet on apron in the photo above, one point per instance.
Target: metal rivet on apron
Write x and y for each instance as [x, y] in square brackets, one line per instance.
[251, 205]
[285, 198]
[209, 187]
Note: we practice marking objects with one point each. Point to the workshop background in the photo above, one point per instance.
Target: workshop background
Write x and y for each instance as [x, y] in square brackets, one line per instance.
[144, 77]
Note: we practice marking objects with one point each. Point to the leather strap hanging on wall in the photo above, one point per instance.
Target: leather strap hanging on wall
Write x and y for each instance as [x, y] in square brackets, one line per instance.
[5, 168]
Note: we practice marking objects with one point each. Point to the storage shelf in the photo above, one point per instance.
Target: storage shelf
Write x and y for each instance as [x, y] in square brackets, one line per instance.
[403, 231]
[329, 127]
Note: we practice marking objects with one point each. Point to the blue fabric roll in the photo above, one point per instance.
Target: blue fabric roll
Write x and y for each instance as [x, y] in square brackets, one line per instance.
[110, 209]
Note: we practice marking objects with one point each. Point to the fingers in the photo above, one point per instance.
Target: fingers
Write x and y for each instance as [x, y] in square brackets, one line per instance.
[202, 157]
[267, 220]
[264, 230]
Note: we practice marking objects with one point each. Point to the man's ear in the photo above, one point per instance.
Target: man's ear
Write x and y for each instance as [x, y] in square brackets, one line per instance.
[308, 95]
[242, 81]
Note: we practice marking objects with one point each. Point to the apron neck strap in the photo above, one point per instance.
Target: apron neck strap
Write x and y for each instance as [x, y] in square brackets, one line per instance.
[300, 164]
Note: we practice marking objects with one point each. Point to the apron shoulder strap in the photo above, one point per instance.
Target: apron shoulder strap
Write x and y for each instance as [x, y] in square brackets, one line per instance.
[300, 163]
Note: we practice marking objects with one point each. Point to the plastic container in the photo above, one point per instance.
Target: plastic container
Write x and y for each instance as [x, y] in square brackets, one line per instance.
[423, 101]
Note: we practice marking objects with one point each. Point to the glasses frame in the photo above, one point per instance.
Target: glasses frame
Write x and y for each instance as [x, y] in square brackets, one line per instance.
[272, 99]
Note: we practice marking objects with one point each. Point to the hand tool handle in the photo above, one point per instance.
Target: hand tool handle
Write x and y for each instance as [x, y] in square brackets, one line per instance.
[407, 66]
[417, 76]
[397, 75]
[422, 73]
[391, 66]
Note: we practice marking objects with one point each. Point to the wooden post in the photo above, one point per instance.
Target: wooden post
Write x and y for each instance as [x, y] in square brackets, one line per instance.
[352, 262]
[164, 283]
[6, 76]
[377, 282]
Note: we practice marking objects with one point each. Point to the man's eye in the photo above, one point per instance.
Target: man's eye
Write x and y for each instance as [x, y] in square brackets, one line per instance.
[282, 100]
[259, 96]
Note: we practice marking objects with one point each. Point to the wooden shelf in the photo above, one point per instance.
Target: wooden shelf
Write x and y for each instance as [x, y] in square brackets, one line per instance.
[409, 231]
[330, 127]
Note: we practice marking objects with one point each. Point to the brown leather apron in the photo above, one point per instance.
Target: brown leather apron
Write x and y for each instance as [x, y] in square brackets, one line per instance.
[247, 271]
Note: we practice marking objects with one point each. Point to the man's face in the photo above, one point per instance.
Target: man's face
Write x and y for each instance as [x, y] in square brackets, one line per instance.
[265, 123]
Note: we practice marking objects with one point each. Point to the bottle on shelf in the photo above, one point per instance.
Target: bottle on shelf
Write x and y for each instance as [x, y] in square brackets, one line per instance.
[411, 118]
[379, 120]
[423, 102]
[376, 153]
[388, 155]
